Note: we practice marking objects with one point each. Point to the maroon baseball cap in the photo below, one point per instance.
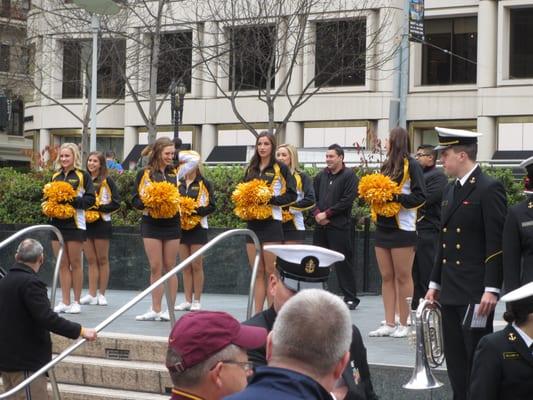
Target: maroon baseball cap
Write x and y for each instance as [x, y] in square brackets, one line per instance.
[198, 335]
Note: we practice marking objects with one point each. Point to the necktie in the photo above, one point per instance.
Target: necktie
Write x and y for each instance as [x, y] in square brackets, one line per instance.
[456, 188]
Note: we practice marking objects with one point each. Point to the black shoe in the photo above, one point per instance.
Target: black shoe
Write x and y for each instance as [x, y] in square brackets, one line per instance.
[352, 304]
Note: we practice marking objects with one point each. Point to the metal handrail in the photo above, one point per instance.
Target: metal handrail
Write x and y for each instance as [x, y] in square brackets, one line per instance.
[24, 232]
[146, 292]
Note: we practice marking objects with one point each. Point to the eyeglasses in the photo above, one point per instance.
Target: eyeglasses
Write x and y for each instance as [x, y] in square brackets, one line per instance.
[419, 155]
[247, 366]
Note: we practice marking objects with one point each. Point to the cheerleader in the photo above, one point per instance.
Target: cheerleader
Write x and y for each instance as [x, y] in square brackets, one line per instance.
[161, 236]
[518, 237]
[263, 165]
[294, 228]
[96, 247]
[73, 229]
[194, 234]
[396, 236]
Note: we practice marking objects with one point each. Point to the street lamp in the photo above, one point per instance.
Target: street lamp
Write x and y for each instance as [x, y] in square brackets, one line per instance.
[96, 8]
[177, 97]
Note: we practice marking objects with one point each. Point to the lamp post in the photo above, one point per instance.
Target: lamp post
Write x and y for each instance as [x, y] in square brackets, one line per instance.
[96, 8]
[177, 97]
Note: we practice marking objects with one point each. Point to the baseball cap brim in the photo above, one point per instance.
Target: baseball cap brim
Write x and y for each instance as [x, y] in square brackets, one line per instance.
[250, 337]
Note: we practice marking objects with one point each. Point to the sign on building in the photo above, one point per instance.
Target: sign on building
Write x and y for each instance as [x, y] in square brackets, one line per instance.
[416, 20]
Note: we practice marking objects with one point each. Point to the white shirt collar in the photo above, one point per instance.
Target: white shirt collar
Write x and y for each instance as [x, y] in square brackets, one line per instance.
[467, 175]
[525, 337]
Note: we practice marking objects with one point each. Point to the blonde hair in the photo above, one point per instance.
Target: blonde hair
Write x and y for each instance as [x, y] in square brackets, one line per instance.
[293, 153]
[73, 147]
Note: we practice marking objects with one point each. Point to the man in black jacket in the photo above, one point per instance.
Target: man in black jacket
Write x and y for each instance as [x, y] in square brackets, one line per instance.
[301, 267]
[335, 191]
[26, 320]
[428, 221]
[467, 275]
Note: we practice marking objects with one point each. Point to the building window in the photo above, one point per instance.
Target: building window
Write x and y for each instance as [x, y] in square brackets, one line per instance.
[252, 57]
[521, 46]
[77, 68]
[340, 53]
[5, 10]
[175, 60]
[16, 123]
[449, 57]
[103, 144]
[5, 51]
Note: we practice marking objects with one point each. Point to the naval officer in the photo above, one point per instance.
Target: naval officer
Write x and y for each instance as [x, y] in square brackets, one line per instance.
[503, 364]
[467, 275]
[518, 237]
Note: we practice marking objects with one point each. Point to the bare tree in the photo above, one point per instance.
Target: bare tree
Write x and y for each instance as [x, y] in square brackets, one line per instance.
[284, 52]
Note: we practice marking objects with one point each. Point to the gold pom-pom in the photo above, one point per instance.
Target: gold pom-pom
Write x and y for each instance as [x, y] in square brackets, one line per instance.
[251, 200]
[91, 216]
[56, 210]
[286, 216]
[56, 194]
[161, 199]
[188, 206]
[389, 209]
[377, 188]
[59, 191]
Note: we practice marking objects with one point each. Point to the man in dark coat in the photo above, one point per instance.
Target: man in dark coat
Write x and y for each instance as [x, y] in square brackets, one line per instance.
[292, 275]
[428, 221]
[305, 358]
[467, 275]
[503, 364]
[335, 192]
[27, 319]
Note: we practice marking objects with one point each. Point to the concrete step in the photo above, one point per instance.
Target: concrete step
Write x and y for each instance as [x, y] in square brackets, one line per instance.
[76, 392]
[140, 376]
[118, 346]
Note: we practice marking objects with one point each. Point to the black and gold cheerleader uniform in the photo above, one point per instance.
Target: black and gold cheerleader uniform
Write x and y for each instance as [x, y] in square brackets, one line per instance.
[294, 229]
[109, 200]
[74, 229]
[400, 230]
[156, 228]
[202, 192]
[279, 178]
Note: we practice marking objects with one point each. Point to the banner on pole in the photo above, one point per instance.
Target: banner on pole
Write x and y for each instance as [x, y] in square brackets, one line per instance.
[416, 20]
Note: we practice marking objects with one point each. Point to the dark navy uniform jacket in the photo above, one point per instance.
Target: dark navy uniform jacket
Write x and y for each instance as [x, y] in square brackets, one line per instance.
[271, 383]
[518, 245]
[469, 257]
[503, 368]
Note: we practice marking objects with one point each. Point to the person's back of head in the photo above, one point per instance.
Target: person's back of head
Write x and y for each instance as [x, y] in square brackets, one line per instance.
[312, 331]
[110, 155]
[30, 252]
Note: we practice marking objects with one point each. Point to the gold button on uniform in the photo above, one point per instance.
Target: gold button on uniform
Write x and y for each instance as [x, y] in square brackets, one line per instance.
[458, 230]
[445, 229]
[444, 261]
[444, 245]
[457, 246]
[458, 262]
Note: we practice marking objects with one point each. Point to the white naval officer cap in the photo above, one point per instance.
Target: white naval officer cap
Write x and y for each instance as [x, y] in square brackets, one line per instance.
[523, 293]
[455, 137]
[303, 266]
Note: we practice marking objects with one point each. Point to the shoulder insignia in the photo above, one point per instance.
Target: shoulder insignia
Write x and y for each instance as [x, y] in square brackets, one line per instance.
[511, 337]
[510, 355]
[472, 180]
[530, 204]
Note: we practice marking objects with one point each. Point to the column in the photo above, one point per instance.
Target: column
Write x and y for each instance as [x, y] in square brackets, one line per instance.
[131, 138]
[382, 131]
[44, 141]
[209, 49]
[208, 140]
[294, 134]
[487, 23]
[196, 73]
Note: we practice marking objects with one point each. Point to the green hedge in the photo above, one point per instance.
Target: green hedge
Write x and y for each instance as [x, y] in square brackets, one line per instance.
[20, 195]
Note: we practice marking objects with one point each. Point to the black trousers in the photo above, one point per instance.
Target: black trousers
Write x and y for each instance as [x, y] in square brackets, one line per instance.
[459, 347]
[339, 240]
[426, 250]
